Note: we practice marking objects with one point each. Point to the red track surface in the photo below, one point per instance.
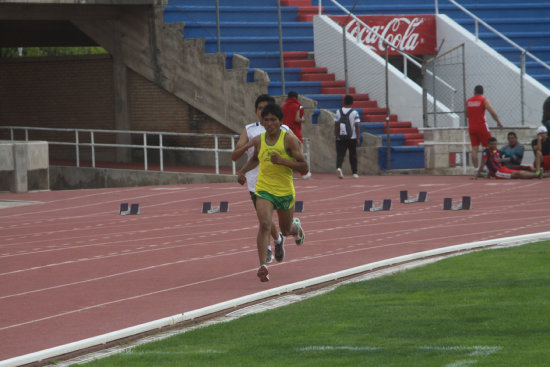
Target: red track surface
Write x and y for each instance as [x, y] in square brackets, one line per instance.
[71, 267]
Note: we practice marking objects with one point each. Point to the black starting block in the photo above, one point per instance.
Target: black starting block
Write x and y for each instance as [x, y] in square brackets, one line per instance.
[369, 206]
[466, 204]
[208, 209]
[404, 198]
[125, 209]
[298, 206]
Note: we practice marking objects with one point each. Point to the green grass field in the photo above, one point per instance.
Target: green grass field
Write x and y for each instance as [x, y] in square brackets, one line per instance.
[488, 308]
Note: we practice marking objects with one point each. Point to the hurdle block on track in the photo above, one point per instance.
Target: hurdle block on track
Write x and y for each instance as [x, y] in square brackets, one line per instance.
[124, 209]
[466, 204]
[404, 198]
[208, 209]
[369, 206]
[298, 207]
[134, 209]
[206, 206]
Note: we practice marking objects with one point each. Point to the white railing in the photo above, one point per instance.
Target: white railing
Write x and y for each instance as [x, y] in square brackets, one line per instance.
[78, 133]
[91, 133]
[478, 20]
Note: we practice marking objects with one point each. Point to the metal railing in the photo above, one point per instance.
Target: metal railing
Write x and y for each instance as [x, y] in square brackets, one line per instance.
[77, 143]
[522, 50]
[78, 134]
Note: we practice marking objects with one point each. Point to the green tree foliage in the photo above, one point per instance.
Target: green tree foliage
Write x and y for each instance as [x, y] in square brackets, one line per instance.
[49, 51]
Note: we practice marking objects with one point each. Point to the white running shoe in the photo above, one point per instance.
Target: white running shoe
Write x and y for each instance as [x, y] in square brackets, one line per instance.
[307, 176]
[301, 236]
[355, 175]
[339, 173]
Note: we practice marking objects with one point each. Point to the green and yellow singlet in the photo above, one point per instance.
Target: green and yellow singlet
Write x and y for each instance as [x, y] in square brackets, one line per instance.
[273, 178]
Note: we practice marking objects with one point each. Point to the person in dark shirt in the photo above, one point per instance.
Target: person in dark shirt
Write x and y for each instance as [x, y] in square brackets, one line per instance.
[512, 153]
[541, 148]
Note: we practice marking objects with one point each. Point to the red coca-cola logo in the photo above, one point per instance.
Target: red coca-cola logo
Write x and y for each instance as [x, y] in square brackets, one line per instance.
[415, 34]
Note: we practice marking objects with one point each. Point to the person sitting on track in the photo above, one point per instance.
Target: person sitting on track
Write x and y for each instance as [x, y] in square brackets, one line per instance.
[541, 148]
[512, 153]
[491, 159]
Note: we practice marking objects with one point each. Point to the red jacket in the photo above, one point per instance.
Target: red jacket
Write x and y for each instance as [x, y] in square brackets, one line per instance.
[290, 108]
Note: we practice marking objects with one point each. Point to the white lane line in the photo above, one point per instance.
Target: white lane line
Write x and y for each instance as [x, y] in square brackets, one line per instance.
[147, 268]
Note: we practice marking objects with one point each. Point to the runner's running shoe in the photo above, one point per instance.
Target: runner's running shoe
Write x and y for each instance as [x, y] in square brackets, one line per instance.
[280, 249]
[263, 274]
[301, 236]
[269, 257]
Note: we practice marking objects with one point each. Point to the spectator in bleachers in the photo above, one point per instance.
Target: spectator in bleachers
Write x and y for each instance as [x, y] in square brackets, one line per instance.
[546, 113]
[512, 153]
[541, 149]
[477, 125]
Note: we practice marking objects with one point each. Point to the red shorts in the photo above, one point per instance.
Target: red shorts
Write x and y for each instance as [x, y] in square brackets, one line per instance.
[479, 137]
[505, 173]
[546, 162]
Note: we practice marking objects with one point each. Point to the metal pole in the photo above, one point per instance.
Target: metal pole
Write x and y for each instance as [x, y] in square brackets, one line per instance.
[320, 7]
[92, 142]
[388, 147]
[145, 163]
[521, 86]
[345, 55]
[218, 25]
[77, 148]
[436, 7]
[464, 85]
[216, 154]
[161, 152]
[434, 80]
[232, 161]
[281, 55]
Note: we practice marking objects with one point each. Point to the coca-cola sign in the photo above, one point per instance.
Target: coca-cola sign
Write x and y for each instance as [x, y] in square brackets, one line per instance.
[414, 34]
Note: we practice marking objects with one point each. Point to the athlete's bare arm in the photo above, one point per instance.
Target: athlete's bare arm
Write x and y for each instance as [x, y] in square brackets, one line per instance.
[491, 110]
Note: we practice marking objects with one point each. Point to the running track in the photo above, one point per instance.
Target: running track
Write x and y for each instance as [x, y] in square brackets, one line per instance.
[72, 268]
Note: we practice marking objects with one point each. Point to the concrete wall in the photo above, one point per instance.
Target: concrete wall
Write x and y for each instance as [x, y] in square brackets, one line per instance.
[158, 52]
[18, 159]
[66, 178]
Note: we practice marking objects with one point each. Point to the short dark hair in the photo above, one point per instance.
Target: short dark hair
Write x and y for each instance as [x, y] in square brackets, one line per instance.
[491, 139]
[274, 109]
[348, 100]
[478, 89]
[263, 98]
[511, 133]
[292, 94]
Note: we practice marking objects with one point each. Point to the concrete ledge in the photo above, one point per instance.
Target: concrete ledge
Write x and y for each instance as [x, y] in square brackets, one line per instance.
[18, 158]
[65, 177]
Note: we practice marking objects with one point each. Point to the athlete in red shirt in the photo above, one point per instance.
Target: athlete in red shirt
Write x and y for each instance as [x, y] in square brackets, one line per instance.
[293, 117]
[477, 125]
[491, 159]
